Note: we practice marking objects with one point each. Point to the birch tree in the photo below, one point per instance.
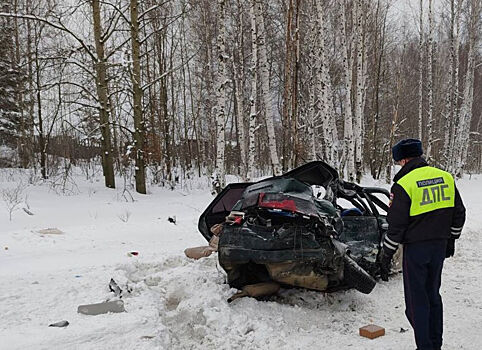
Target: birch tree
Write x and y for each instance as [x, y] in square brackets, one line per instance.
[238, 69]
[314, 89]
[451, 97]
[103, 96]
[465, 116]
[420, 76]
[349, 142]
[270, 111]
[324, 90]
[253, 98]
[221, 82]
[395, 116]
[139, 130]
[430, 58]
[360, 11]
[455, 88]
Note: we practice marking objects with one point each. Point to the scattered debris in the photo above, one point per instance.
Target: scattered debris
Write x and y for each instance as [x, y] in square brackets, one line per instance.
[102, 308]
[78, 276]
[256, 290]
[28, 211]
[372, 331]
[214, 243]
[114, 287]
[205, 251]
[50, 231]
[217, 229]
[172, 219]
[59, 324]
[147, 336]
[133, 253]
[199, 252]
[6, 248]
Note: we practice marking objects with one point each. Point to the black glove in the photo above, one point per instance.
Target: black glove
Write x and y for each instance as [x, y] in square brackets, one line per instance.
[385, 264]
[450, 250]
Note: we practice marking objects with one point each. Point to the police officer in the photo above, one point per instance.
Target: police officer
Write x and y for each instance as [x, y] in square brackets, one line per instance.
[426, 215]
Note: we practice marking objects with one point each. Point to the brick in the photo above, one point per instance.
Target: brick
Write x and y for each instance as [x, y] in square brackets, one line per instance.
[372, 331]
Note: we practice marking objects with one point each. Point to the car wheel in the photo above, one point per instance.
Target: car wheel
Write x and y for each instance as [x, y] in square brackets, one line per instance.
[356, 277]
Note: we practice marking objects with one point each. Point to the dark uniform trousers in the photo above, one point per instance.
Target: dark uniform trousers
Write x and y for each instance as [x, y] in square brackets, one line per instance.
[422, 270]
[426, 210]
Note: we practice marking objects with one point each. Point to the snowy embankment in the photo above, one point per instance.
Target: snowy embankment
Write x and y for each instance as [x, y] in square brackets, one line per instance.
[177, 303]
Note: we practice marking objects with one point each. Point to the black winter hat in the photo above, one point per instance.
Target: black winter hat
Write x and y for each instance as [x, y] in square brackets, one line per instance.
[407, 148]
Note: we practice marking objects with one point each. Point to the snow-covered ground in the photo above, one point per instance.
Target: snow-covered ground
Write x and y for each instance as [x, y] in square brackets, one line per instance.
[177, 303]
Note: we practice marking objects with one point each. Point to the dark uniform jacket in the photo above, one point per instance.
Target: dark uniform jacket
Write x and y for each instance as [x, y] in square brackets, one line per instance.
[442, 223]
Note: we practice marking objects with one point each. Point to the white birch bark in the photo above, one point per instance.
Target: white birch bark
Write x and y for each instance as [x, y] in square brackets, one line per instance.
[313, 89]
[253, 98]
[312, 121]
[238, 81]
[465, 117]
[448, 109]
[270, 110]
[221, 82]
[333, 141]
[349, 149]
[324, 90]
[394, 125]
[358, 122]
[420, 75]
[428, 152]
[455, 97]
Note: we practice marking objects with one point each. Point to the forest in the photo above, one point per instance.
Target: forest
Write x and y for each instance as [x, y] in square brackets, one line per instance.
[157, 91]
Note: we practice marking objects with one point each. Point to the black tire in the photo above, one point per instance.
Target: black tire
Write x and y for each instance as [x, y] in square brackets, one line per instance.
[356, 277]
[246, 274]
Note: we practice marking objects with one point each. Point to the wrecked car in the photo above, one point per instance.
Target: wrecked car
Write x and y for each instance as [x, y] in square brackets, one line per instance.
[306, 228]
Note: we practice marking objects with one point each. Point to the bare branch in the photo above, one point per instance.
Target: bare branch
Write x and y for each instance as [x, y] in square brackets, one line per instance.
[59, 26]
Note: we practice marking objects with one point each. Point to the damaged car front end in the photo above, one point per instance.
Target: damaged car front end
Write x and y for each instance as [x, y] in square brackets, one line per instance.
[277, 230]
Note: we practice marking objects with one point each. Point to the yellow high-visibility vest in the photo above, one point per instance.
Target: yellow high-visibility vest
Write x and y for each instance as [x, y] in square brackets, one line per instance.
[429, 189]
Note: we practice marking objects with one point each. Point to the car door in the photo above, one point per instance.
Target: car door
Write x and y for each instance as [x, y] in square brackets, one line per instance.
[220, 207]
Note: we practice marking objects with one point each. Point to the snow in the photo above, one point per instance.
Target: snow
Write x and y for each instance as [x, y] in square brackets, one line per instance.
[178, 303]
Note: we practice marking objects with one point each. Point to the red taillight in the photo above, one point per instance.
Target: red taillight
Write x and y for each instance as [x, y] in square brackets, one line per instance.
[285, 204]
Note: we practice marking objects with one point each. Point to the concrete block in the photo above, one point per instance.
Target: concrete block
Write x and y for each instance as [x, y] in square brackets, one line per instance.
[372, 331]
[101, 308]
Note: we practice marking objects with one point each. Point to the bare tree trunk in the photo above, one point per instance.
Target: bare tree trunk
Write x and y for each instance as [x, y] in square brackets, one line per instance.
[31, 97]
[287, 140]
[40, 123]
[253, 98]
[449, 112]
[465, 117]
[313, 89]
[430, 58]
[349, 149]
[140, 170]
[103, 96]
[455, 97]
[221, 82]
[420, 75]
[360, 88]
[394, 124]
[312, 121]
[238, 69]
[264, 76]
[323, 85]
[238, 82]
